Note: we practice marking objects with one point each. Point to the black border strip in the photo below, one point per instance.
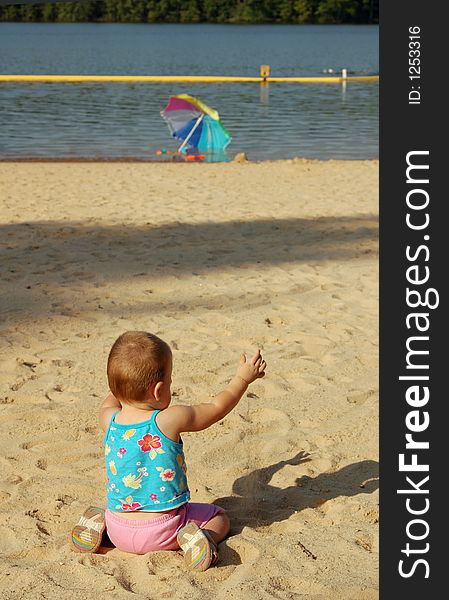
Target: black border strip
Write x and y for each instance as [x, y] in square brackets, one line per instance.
[404, 128]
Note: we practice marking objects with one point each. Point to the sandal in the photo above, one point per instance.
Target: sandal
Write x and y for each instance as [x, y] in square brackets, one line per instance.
[88, 532]
[214, 548]
[200, 550]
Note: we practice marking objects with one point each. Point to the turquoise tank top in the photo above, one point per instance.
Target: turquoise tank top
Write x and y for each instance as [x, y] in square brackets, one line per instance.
[146, 470]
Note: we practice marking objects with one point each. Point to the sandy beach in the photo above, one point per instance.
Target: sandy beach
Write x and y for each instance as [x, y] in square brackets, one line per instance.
[215, 259]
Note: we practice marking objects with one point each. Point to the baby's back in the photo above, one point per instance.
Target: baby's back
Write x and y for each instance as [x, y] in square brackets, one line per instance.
[146, 469]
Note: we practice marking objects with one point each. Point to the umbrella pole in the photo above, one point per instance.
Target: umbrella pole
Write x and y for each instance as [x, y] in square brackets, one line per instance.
[198, 121]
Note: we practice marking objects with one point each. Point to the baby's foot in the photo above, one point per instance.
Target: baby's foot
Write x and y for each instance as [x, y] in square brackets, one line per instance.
[88, 533]
[200, 550]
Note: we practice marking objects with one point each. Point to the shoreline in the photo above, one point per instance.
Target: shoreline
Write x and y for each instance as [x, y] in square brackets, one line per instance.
[124, 159]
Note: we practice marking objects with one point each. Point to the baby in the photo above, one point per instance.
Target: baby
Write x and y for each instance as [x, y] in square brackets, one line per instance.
[148, 505]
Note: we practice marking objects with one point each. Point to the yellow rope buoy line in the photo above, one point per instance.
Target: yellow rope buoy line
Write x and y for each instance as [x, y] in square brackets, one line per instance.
[263, 78]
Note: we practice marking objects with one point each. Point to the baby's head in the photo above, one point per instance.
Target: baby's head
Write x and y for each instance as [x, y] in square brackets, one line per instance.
[139, 370]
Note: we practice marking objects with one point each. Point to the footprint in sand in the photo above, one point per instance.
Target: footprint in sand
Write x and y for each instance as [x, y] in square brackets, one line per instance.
[237, 558]
[247, 552]
[42, 464]
[365, 541]
[14, 387]
[6, 400]
[29, 445]
[267, 419]
[61, 362]
[359, 398]
[157, 566]
[124, 582]
[10, 541]
[14, 479]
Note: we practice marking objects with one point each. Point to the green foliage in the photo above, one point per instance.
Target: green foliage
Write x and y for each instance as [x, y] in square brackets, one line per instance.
[337, 11]
[48, 12]
[305, 10]
[190, 11]
[198, 11]
[31, 12]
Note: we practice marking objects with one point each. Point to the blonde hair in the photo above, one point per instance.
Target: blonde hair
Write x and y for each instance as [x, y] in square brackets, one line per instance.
[136, 360]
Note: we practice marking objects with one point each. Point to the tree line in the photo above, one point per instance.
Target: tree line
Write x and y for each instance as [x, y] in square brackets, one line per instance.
[197, 11]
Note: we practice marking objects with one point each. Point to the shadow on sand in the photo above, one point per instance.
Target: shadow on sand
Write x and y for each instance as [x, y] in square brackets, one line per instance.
[41, 258]
[256, 503]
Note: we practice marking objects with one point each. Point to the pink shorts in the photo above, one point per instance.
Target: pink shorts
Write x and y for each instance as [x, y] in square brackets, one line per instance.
[140, 536]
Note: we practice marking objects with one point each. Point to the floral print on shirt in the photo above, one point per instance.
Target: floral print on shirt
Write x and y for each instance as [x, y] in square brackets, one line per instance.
[152, 444]
[141, 459]
[133, 481]
[128, 434]
[128, 504]
[166, 474]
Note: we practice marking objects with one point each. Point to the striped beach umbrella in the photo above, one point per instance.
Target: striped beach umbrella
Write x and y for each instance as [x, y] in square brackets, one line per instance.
[195, 124]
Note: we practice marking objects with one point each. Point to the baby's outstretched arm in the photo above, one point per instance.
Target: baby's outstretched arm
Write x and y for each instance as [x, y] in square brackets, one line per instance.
[201, 416]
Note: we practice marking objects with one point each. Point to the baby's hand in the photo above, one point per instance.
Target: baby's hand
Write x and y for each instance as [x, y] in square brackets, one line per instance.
[252, 369]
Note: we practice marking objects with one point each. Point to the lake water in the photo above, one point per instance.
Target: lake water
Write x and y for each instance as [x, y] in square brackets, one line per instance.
[122, 120]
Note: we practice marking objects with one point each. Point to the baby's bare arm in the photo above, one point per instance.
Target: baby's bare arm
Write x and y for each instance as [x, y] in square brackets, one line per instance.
[108, 407]
[201, 416]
